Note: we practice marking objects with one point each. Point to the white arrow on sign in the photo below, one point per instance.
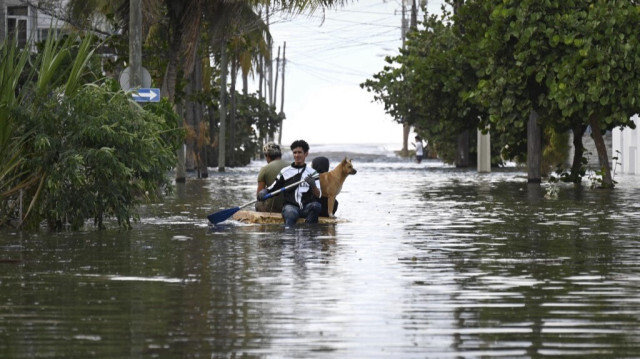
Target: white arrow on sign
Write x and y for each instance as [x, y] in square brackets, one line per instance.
[146, 95]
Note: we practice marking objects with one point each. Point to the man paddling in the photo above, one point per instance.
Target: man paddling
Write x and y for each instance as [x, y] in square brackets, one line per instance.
[267, 176]
[301, 201]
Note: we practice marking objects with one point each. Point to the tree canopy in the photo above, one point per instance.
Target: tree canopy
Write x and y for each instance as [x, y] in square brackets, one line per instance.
[77, 147]
[493, 62]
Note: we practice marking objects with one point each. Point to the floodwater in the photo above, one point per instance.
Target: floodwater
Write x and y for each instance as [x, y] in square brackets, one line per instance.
[433, 262]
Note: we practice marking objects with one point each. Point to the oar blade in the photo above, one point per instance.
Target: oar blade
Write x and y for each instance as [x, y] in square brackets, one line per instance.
[223, 215]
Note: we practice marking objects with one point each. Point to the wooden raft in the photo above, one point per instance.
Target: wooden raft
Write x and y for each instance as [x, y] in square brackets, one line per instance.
[274, 218]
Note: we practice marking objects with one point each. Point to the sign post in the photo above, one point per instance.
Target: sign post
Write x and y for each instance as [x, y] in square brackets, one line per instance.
[146, 95]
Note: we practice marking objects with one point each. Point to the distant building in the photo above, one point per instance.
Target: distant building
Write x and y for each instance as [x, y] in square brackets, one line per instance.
[625, 147]
[24, 24]
[18, 21]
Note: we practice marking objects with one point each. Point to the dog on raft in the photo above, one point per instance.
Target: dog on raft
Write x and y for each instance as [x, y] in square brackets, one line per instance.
[331, 182]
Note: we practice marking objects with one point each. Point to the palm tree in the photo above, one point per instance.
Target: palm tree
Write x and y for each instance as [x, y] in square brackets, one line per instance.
[185, 22]
[185, 19]
[12, 64]
[241, 34]
[48, 71]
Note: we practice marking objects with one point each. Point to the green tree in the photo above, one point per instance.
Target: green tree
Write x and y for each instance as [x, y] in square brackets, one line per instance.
[100, 155]
[24, 82]
[254, 118]
[599, 78]
[86, 150]
[241, 38]
[12, 66]
[564, 61]
[428, 85]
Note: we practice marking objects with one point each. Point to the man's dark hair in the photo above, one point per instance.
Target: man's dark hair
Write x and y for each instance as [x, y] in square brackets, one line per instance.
[300, 143]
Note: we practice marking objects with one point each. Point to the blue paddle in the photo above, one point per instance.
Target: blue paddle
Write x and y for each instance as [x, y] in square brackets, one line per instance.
[225, 214]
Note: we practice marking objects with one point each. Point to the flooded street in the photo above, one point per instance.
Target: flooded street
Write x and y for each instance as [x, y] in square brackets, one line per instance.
[432, 262]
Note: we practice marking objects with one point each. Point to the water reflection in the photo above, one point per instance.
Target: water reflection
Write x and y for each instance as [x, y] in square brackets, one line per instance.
[538, 272]
[433, 261]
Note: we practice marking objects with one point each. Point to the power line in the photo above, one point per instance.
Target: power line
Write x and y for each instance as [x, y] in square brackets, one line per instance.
[324, 45]
[309, 39]
[330, 76]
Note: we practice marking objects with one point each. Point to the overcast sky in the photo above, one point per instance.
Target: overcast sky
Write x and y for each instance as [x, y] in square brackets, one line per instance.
[326, 61]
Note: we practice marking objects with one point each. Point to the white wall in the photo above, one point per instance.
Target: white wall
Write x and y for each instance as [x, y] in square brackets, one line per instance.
[625, 146]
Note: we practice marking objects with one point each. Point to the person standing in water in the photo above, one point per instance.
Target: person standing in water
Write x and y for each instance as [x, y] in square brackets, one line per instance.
[419, 149]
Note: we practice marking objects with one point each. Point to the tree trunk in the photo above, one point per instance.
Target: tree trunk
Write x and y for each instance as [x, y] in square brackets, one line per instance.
[200, 125]
[181, 175]
[578, 151]
[3, 20]
[232, 114]
[457, 4]
[534, 149]
[190, 124]
[211, 157]
[406, 129]
[222, 133]
[245, 84]
[462, 154]
[170, 74]
[260, 78]
[168, 92]
[603, 158]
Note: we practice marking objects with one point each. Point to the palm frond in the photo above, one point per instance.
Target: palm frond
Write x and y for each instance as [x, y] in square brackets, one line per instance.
[11, 67]
[51, 57]
[191, 20]
[85, 51]
[297, 7]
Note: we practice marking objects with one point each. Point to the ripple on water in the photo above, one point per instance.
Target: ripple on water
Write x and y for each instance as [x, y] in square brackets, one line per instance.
[434, 261]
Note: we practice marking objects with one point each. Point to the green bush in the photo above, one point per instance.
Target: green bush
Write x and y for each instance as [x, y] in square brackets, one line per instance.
[73, 151]
[98, 155]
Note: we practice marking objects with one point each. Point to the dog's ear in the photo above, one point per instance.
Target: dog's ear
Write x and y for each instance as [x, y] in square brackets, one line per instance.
[345, 159]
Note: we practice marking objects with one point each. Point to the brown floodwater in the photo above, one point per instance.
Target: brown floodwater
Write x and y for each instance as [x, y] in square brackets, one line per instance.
[432, 262]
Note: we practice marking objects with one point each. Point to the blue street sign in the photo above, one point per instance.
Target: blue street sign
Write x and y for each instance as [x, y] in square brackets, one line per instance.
[146, 95]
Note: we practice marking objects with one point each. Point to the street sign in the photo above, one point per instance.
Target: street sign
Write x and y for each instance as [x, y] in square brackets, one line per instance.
[146, 95]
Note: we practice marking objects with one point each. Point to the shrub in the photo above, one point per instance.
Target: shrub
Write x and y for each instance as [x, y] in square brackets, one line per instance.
[97, 154]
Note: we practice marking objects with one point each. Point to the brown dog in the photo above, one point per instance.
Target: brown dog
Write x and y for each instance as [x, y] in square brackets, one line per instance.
[331, 182]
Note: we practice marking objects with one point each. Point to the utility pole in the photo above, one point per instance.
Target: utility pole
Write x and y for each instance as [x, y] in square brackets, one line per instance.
[135, 43]
[135, 69]
[275, 86]
[284, 50]
[269, 83]
[222, 133]
[414, 16]
[270, 67]
[406, 128]
[260, 76]
[403, 28]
